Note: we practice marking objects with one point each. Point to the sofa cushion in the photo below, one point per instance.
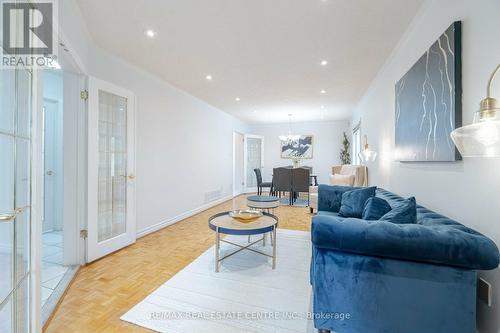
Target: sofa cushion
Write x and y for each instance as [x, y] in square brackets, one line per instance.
[330, 197]
[343, 180]
[375, 208]
[405, 213]
[353, 202]
[327, 213]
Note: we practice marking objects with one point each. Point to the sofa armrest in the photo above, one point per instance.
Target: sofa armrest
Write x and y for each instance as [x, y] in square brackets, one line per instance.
[449, 245]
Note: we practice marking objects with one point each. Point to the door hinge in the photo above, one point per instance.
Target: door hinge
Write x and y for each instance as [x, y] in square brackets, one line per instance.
[84, 233]
[84, 94]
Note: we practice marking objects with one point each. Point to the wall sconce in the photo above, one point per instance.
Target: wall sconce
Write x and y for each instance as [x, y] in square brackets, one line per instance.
[367, 155]
[482, 137]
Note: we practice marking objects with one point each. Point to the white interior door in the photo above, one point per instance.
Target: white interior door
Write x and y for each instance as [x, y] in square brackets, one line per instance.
[111, 169]
[254, 159]
[49, 147]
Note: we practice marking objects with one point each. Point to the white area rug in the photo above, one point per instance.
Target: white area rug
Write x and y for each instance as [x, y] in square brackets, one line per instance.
[247, 295]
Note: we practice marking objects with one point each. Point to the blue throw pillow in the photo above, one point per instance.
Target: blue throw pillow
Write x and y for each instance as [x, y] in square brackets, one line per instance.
[353, 202]
[375, 208]
[330, 197]
[403, 214]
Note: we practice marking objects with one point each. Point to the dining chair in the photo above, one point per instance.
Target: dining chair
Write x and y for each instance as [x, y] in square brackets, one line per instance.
[300, 182]
[260, 183]
[282, 181]
[310, 168]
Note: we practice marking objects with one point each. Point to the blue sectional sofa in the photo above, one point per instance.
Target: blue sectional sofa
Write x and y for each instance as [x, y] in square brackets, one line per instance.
[376, 276]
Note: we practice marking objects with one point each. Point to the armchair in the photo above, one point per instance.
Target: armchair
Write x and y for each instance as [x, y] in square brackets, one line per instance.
[360, 173]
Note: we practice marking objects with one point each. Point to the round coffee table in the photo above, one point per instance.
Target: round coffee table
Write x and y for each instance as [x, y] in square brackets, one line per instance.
[263, 202]
[222, 223]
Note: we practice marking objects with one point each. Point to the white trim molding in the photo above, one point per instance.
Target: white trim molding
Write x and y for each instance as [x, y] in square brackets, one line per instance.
[180, 217]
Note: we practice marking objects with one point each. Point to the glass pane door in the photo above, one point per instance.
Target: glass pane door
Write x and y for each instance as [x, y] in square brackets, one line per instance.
[111, 166]
[112, 177]
[15, 199]
[254, 146]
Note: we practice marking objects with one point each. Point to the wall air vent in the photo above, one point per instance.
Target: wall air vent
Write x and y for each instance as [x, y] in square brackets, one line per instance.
[213, 195]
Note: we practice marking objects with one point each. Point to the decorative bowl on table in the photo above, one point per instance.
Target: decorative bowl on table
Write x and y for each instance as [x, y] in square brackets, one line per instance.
[245, 216]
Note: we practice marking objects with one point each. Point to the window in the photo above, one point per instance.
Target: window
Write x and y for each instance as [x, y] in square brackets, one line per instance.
[356, 144]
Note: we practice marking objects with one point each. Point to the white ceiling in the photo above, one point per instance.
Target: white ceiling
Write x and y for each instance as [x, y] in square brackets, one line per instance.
[266, 52]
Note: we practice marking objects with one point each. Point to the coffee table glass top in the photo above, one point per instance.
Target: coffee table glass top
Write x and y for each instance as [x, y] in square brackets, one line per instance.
[230, 226]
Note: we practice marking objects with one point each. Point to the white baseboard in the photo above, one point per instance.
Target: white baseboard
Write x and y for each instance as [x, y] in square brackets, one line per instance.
[180, 217]
[251, 190]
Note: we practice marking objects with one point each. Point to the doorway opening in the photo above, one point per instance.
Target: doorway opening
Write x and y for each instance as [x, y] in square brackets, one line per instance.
[58, 267]
[60, 152]
[53, 267]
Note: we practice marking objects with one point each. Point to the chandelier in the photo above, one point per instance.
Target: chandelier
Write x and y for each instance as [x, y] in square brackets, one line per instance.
[290, 138]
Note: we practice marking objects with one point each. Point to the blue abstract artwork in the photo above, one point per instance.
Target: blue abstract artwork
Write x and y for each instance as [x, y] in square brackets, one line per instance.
[429, 103]
[299, 149]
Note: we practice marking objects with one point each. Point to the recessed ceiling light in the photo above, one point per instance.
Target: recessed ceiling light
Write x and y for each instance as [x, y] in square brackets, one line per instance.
[237, 99]
[254, 111]
[150, 33]
[322, 106]
[323, 91]
[323, 63]
[208, 77]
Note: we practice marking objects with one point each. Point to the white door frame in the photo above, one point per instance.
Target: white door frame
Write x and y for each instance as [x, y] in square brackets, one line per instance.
[237, 189]
[75, 166]
[96, 249]
[247, 136]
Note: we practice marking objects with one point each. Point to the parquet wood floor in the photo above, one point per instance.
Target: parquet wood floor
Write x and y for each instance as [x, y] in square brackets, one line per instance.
[104, 290]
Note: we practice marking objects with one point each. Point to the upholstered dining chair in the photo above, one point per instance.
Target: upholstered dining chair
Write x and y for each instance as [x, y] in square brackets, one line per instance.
[282, 181]
[310, 168]
[260, 183]
[300, 182]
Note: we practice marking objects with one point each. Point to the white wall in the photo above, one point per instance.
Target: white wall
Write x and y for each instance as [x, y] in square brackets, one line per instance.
[466, 191]
[184, 145]
[327, 143]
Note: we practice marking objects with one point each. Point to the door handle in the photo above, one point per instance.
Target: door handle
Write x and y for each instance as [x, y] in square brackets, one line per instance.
[7, 217]
[130, 177]
[12, 216]
[50, 173]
